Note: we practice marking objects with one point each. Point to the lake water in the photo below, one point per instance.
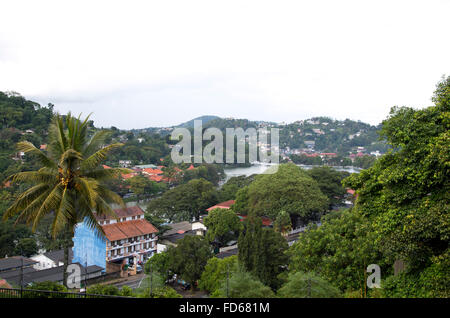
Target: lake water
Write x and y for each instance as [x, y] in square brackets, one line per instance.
[259, 168]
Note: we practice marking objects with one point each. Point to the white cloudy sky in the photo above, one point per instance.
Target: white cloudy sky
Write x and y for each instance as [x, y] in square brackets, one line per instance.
[137, 64]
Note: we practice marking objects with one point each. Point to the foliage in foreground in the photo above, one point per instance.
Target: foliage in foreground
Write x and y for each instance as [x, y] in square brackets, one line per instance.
[307, 285]
[243, 285]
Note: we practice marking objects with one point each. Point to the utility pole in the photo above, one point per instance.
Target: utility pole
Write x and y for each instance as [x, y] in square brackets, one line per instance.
[21, 275]
[85, 276]
[309, 287]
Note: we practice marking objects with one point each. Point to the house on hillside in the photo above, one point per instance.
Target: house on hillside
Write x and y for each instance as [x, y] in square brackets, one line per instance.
[124, 163]
[50, 259]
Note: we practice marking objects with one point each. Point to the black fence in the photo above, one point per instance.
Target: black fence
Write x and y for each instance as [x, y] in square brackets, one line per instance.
[32, 293]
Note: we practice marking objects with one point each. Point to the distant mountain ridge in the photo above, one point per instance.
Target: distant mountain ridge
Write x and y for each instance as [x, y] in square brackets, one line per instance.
[205, 119]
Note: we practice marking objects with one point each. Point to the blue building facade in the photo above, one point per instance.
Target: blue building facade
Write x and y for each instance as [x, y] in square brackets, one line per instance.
[88, 247]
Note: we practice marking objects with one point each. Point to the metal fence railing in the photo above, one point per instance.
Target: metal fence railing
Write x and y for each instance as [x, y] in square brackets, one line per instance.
[32, 293]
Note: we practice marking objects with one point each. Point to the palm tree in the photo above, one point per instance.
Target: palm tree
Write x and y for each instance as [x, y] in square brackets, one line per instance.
[69, 186]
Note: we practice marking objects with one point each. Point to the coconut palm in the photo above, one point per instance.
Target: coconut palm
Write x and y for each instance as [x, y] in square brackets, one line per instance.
[69, 186]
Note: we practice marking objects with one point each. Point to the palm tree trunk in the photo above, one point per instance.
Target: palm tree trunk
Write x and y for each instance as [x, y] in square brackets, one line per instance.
[68, 244]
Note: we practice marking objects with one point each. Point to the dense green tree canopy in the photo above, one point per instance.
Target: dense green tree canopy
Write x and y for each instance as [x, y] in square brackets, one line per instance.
[184, 202]
[216, 271]
[222, 225]
[406, 192]
[262, 251]
[307, 285]
[189, 258]
[229, 190]
[330, 183]
[290, 189]
[243, 285]
[339, 250]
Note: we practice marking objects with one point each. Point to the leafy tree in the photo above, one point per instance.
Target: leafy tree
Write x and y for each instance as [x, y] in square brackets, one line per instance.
[99, 289]
[69, 184]
[405, 193]
[222, 224]
[241, 203]
[189, 258]
[215, 272]
[160, 292]
[229, 190]
[47, 286]
[330, 183]
[307, 285]
[159, 263]
[26, 247]
[127, 291]
[243, 285]
[282, 223]
[290, 189]
[339, 250]
[141, 185]
[158, 223]
[210, 172]
[184, 202]
[10, 232]
[171, 174]
[364, 161]
[262, 252]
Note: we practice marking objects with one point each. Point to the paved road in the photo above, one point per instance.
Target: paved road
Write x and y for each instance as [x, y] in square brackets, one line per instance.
[132, 281]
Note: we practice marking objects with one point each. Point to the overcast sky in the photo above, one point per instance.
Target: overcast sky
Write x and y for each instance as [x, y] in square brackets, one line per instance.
[137, 64]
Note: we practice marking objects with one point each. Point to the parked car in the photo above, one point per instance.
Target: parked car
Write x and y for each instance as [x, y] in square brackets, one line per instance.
[185, 285]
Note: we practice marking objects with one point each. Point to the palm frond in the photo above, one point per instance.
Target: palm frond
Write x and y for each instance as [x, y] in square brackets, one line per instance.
[28, 147]
[63, 214]
[34, 177]
[58, 141]
[107, 174]
[68, 155]
[50, 204]
[88, 189]
[24, 199]
[92, 223]
[109, 196]
[96, 142]
[95, 159]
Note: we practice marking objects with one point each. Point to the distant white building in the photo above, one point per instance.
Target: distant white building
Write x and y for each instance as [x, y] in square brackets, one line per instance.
[124, 163]
[50, 259]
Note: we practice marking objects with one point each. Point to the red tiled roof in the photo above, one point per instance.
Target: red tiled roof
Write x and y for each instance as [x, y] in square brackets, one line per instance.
[152, 171]
[328, 154]
[265, 220]
[4, 284]
[106, 167]
[43, 147]
[351, 191]
[155, 177]
[128, 229]
[222, 205]
[123, 213]
[191, 167]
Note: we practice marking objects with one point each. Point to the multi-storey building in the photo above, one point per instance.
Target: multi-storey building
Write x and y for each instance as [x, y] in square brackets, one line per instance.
[130, 239]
